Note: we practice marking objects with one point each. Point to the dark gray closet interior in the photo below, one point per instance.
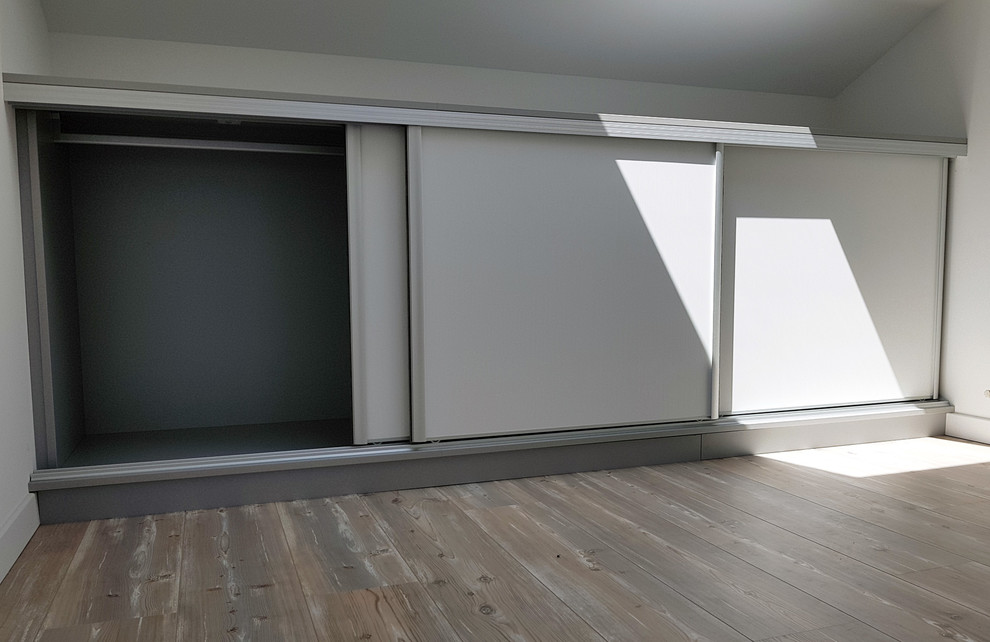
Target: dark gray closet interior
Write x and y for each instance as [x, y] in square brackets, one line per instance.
[192, 279]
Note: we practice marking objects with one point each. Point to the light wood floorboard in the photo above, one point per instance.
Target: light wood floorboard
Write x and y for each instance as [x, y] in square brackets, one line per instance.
[484, 592]
[27, 592]
[143, 629]
[238, 578]
[873, 543]
[123, 569]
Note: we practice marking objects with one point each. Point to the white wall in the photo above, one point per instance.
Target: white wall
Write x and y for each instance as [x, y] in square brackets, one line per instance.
[24, 35]
[937, 81]
[240, 68]
[18, 510]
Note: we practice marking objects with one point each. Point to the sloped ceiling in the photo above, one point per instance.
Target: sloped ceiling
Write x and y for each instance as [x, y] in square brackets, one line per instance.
[808, 47]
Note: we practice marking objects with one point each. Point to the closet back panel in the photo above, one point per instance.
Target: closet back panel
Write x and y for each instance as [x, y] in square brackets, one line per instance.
[212, 287]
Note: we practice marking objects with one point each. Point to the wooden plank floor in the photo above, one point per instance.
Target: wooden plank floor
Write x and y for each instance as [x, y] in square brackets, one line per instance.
[868, 543]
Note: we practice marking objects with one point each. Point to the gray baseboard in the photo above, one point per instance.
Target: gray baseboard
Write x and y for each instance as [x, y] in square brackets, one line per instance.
[162, 496]
[72, 494]
[780, 438]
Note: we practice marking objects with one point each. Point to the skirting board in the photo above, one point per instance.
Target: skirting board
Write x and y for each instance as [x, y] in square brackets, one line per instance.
[16, 532]
[142, 498]
[797, 437]
[968, 427]
[158, 487]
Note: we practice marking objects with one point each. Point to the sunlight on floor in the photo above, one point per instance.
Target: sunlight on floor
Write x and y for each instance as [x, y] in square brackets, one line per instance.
[888, 457]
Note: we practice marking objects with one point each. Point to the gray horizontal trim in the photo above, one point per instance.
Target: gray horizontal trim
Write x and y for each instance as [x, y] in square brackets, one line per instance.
[947, 149]
[52, 479]
[165, 496]
[33, 92]
[876, 403]
[189, 143]
[736, 443]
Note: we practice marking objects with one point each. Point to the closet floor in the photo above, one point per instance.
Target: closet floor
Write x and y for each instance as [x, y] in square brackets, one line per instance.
[153, 445]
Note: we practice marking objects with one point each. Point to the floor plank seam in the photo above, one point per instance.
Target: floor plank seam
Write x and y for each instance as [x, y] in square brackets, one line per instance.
[889, 577]
[538, 580]
[646, 570]
[385, 532]
[754, 566]
[916, 507]
[814, 541]
[295, 566]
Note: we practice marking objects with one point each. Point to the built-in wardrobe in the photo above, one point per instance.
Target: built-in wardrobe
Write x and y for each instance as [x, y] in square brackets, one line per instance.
[245, 298]
[193, 282]
[577, 281]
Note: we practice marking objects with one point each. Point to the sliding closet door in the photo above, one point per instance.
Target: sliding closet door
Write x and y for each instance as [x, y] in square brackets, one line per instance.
[378, 261]
[830, 281]
[558, 281]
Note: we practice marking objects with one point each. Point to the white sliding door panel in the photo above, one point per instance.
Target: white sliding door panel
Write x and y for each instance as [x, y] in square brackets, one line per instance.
[379, 282]
[563, 281]
[830, 278]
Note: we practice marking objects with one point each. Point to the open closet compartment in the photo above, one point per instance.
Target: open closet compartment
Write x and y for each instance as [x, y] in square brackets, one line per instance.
[193, 286]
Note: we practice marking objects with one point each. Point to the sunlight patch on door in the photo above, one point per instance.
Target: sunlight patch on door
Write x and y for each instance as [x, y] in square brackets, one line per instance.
[677, 203]
[802, 333]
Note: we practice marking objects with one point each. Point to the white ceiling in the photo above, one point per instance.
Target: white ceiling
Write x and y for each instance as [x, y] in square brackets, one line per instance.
[811, 47]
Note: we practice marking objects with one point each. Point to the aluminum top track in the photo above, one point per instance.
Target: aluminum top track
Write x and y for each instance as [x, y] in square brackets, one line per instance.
[38, 92]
